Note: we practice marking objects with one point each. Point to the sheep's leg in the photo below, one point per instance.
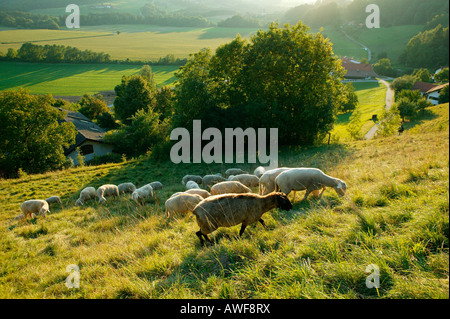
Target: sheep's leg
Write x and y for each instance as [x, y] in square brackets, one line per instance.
[242, 230]
[200, 236]
[293, 199]
[306, 194]
[321, 193]
[207, 238]
[263, 223]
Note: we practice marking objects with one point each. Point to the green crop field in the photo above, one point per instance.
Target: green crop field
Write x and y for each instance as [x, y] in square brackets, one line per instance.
[73, 79]
[395, 215]
[135, 42]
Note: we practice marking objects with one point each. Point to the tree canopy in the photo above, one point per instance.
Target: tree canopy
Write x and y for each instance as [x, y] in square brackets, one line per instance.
[33, 138]
[283, 77]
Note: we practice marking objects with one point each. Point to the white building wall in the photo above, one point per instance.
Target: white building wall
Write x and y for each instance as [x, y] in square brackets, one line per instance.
[99, 150]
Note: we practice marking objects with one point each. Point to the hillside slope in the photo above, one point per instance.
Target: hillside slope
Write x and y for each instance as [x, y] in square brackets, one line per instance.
[395, 215]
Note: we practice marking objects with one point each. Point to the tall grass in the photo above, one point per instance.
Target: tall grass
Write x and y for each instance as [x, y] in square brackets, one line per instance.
[394, 215]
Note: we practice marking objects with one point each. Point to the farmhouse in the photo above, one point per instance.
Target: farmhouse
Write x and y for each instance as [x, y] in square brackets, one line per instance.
[89, 138]
[357, 70]
[433, 94]
[423, 87]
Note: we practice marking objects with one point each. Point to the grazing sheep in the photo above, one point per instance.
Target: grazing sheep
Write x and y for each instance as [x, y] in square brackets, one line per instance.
[247, 179]
[195, 178]
[182, 203]
[233, 209]
[54, 199]
[259, 171]
[34, 206]
[210, 180]
[234, 171]
[230, 178]
[156, 186]
[267, 180]
[192, 185]
[309, 179]
[85, 195]
[141, 194]
[203, 193]
[126, 188]
[107, 190]
[229, 187]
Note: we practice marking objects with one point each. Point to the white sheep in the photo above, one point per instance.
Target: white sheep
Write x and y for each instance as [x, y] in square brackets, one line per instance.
[34, 206]
[192, 185]
[203, 193]
[267, 180]
[156, 186]
[229, 187]
[259, 171]
[234, 171]
[141, 194]
[309, 179]
[182, 203]
[107, 190]
[247, 179]
[233, 209]
[210, 180]
[126, 188]
[54, 199]
[85, 195]
[195, 178]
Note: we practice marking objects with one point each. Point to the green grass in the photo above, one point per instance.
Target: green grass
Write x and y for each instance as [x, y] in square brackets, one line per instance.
[371, 97]
[394, 215]
[391, 40]
[73, 79]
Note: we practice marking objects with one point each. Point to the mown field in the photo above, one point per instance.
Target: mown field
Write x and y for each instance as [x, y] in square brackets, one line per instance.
[73, 79]
[371, 97]
[136, 42]
[395, 215]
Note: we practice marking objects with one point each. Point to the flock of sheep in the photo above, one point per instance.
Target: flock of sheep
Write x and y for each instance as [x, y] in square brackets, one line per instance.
[229, 201]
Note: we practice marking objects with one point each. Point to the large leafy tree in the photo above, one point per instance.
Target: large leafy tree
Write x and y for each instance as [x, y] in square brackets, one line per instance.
[32, 136]
[133, 94]
[284, 78]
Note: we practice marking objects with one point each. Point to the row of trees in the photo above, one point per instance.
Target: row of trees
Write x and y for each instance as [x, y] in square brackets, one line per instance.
[399, 12]
[30, 52]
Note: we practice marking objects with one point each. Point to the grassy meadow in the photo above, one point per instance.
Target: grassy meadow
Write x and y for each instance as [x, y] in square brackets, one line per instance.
[371, 97]
[73, 79]
[395, 215]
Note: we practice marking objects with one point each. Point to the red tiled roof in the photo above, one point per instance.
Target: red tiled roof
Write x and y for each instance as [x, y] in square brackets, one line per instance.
[423, 87]
[356, 69]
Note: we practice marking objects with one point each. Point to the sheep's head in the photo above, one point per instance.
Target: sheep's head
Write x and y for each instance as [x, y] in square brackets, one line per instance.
[283, 202]
[340, 188]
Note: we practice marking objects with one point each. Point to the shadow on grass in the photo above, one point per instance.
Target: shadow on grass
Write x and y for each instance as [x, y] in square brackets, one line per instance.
[423, 116]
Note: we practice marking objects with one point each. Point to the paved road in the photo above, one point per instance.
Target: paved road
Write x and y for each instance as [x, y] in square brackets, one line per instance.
[369, 53]
[389, 102]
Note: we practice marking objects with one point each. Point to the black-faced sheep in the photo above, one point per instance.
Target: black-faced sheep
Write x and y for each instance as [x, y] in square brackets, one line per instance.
[233, 209]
